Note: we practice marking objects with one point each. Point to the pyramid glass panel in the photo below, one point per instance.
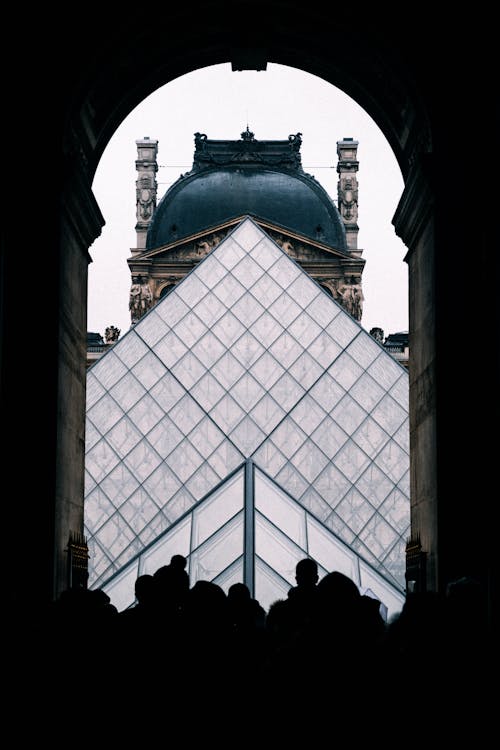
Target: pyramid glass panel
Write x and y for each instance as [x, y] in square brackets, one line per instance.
[269, 585]
[247, 358]
[124, 436]
[98, 507]
[154, 328]
[329, 552]
[382, 590]
[105, 414]
[218, 552]
[285, 309]
[276, 549]
[121, 589]
[94, 390]
[130, 349]
[176, 541]
[219, 508]
[170, 349]
[306, 370]
[280, 510]
[233, 574]
[108, 374]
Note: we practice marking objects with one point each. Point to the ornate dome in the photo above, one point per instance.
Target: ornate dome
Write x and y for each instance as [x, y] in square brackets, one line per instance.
[263, 179]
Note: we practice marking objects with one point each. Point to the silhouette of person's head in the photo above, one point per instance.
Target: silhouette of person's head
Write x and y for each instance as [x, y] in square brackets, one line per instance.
[178, 562]
[176, 570]
[100, 603]
[239, 593]
[306, 572]
[338, 590]
[208, 592]
[145, 590]
[172, 582]
[207, 605]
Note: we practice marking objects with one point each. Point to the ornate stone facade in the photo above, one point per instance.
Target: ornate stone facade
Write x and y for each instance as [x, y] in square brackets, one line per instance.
[156, 271]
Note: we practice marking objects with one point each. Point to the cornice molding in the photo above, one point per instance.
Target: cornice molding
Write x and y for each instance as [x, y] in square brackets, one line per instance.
[81, 216]
[416, 204]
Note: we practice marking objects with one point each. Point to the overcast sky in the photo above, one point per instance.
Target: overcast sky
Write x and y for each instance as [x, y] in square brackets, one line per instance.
[274, 103]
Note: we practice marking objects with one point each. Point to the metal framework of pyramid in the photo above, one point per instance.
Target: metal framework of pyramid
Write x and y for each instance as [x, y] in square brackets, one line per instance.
[245, 422]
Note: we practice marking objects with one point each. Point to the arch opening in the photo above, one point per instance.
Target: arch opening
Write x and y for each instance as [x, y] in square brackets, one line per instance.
[320, 139]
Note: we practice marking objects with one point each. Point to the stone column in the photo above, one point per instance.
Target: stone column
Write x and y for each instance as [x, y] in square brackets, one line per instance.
[43, 379]
[347, 167]
[414, 223]
[81, 223]
[146, 187]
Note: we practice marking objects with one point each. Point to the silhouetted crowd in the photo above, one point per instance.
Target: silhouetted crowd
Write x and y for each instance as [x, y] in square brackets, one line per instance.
[322, 654]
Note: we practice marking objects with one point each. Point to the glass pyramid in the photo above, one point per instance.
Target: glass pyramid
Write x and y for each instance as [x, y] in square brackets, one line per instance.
[248, 367]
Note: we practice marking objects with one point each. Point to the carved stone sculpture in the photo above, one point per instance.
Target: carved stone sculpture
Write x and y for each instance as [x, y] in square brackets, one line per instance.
[111, 334]
[141, 298]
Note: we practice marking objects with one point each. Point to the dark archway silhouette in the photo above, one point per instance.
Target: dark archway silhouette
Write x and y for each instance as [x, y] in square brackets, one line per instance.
[434, 105]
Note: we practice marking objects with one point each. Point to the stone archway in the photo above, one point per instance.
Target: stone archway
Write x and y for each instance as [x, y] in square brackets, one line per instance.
[400, 83]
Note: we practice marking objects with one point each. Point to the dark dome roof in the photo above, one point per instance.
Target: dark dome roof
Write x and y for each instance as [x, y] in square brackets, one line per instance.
[263, 179]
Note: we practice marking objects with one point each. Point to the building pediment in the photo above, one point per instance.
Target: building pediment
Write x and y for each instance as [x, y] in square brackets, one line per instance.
[197, 246]
[157, 271]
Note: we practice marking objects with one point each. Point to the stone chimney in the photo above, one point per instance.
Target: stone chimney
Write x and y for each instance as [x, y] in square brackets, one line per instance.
[146, 185]
[347, 167]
